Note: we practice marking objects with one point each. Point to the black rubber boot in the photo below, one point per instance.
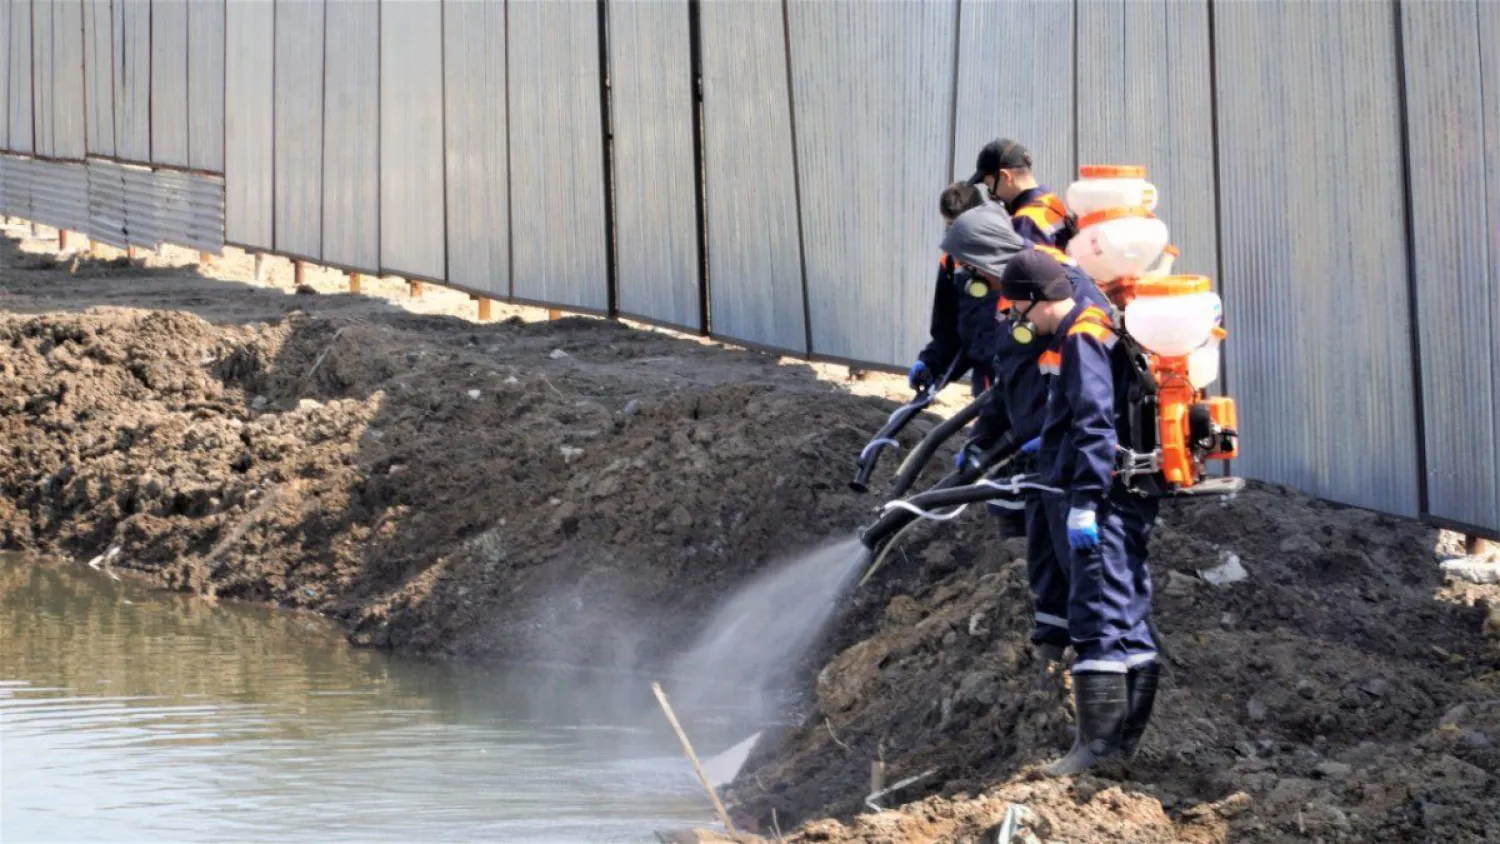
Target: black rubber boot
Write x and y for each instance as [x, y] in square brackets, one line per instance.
[1141, 689]
[1102, 702]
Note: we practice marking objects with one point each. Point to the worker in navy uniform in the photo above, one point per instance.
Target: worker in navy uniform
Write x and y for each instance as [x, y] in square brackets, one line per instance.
[1004, 167]
[962, 328]
[1019, 406]
[1107, 527]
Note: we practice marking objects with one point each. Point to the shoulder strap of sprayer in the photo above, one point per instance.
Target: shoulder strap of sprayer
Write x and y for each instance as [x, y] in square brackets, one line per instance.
[1138, 427]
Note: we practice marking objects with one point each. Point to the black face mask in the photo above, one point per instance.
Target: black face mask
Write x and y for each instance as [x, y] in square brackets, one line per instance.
[1022, 330]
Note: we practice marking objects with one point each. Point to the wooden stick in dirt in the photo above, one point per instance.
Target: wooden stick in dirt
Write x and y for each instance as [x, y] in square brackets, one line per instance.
[661, 697]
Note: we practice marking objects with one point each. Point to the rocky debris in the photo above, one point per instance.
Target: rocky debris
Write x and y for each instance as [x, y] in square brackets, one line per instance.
[1473, 570]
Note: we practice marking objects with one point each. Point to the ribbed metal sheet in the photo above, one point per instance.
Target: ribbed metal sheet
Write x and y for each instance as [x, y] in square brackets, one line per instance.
[141, 206]
[299, 128]
[206, 85]
[351, 136]
[1015, 80]
[755, 266]
[189, 210]
[557, 154]
[60, 195]
[42, 76]
[15, 187]
[881, 73]
[248, 99]
[474, 79]
[1452, 65]
[411, 139]
[169, 82]
[107, 203]
[1147, 101]
[656, 223]
[67, 81]
[98, 75]
[1315, 249]
[133, 79]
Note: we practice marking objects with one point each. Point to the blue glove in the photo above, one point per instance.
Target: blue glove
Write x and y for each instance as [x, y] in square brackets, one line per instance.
[962, 459]
[1032, 446]
[919, 376]
[1083, 531]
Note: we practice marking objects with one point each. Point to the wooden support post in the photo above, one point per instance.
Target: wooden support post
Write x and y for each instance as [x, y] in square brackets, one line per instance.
[1478, 546]
[484, 309]
[36, 231]
[205, 258]
[299, 273]
[62, 240]
[414, 288]
[96, 249]
[354, 279]
[133, 252]
[260, 267]
[554, 314]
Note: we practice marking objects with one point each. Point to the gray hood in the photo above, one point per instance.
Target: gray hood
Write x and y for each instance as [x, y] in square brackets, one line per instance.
[984, 238]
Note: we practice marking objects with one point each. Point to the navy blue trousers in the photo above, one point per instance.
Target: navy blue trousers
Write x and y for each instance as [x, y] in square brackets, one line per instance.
[1109, 599]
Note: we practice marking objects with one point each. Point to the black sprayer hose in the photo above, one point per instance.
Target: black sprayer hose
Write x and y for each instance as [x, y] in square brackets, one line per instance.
[886, 437]
[916, 461]
[954, 489]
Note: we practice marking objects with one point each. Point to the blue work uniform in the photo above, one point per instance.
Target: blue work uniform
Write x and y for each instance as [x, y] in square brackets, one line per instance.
[964, 327]
[1041, 217]
[1020, 406]
[1110, 586]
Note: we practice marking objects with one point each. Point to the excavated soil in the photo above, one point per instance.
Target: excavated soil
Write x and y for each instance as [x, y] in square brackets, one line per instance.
[582, 491]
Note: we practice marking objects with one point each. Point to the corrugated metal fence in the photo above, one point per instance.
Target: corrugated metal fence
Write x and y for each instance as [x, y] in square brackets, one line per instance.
[767, 171]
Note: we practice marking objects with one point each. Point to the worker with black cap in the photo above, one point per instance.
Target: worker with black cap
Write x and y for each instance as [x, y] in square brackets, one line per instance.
[1018, 406]
[953, 341]
[1004, 167]
[1107, 527]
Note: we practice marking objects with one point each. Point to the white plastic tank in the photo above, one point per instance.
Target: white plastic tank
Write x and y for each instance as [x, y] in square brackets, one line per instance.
[1101, 186]
[1173, 315]
[1203, 362]
[1118, 243]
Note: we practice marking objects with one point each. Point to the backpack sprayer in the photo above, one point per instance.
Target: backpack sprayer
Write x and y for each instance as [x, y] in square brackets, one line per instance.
[1171, 325]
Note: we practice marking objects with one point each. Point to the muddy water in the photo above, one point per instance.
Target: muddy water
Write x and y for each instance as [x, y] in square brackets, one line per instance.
[128, 715]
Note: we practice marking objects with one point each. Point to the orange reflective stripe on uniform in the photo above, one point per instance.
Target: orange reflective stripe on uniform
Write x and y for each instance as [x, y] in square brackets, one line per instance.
[1093, 322]
[1055, 254]
[1044, 218]
[1050, 363]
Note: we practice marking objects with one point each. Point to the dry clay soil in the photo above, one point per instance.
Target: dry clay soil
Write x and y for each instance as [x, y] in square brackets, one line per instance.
[515, 490]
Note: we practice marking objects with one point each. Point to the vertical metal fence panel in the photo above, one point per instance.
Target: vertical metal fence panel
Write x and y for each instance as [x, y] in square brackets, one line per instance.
[299, 128]
[249, 98]
[42, 77]
[755, 265]
[476, 156]
[141, 200]
[351, 135]
[5, 62]
[883, 74]
[656, 235]
[68, 84]
[411, 139]
[133, 79]
[558, 241]
[169, 82]
[98, 73]
[22, 139]
[206, 85]
[1015, 80]
[60, 195]
[1455, 195]
[1315, 248]
[1144, 98]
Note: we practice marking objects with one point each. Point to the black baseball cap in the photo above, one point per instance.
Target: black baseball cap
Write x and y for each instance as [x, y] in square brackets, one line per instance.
[1000, 154]
[1031, 276]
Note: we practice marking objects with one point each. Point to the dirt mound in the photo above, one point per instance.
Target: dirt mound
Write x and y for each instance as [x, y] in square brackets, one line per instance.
[1341, 692]
[481, 490]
